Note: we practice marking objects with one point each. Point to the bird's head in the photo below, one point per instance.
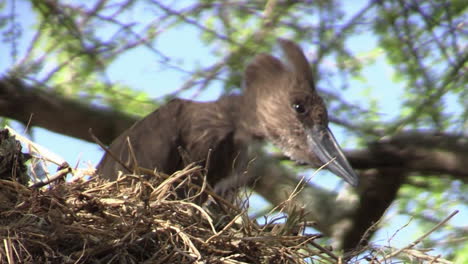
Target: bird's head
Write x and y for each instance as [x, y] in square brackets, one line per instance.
[289, 112]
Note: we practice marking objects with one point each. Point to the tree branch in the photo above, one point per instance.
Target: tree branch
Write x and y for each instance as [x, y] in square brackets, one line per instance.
[345, 218]
[426, 152]
[22, 102]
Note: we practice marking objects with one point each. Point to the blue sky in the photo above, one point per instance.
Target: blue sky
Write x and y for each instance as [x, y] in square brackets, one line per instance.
[137, 69]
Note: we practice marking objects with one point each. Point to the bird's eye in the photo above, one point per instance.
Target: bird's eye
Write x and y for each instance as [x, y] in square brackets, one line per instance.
[299, 108]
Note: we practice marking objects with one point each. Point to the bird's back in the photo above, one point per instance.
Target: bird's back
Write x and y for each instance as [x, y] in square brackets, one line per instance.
[178, 133]
[149, 139]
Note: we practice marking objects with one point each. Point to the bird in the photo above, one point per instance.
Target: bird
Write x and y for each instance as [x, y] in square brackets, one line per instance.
[279, 104]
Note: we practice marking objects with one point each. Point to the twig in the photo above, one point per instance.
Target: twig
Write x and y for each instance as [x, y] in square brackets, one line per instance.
[417, 241]
[49, 155]
[108, 152]
[60, 174]
[225, 228]
[133, 156]
[324, 250]
[215, 196]
[298, 188]
[268, 13]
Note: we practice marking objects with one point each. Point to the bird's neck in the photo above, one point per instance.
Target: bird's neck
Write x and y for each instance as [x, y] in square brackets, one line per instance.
[242, 113]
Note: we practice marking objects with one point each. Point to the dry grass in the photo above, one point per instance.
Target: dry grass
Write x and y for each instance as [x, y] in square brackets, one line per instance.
[133, 220]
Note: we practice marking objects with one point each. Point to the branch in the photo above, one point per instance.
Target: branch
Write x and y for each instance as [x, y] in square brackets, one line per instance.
[22, 102]
[421, 238]
[426, 152]
[385, 165]
[345, 218]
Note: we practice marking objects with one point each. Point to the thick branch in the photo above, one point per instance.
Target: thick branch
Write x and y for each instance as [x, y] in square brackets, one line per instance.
[377, 191]
[345, 218]
[425, 152]
[41, 108]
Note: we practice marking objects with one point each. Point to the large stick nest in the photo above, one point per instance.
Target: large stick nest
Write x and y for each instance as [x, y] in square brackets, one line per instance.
[130, 221]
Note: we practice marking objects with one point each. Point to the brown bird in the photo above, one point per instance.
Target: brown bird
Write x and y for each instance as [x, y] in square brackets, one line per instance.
[279, 103]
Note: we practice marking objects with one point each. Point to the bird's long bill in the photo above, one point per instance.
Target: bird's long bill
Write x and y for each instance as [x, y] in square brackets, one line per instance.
[323, 144]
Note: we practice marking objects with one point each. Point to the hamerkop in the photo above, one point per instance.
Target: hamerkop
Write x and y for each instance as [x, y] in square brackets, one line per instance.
[279, 103]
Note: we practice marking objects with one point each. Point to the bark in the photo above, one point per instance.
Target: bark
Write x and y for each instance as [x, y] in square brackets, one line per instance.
[383, 165]
[425, 152]
[43, 108]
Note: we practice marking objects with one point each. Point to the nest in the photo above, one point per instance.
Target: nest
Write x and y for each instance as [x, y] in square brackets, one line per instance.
[131, 220]
[137, 219]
